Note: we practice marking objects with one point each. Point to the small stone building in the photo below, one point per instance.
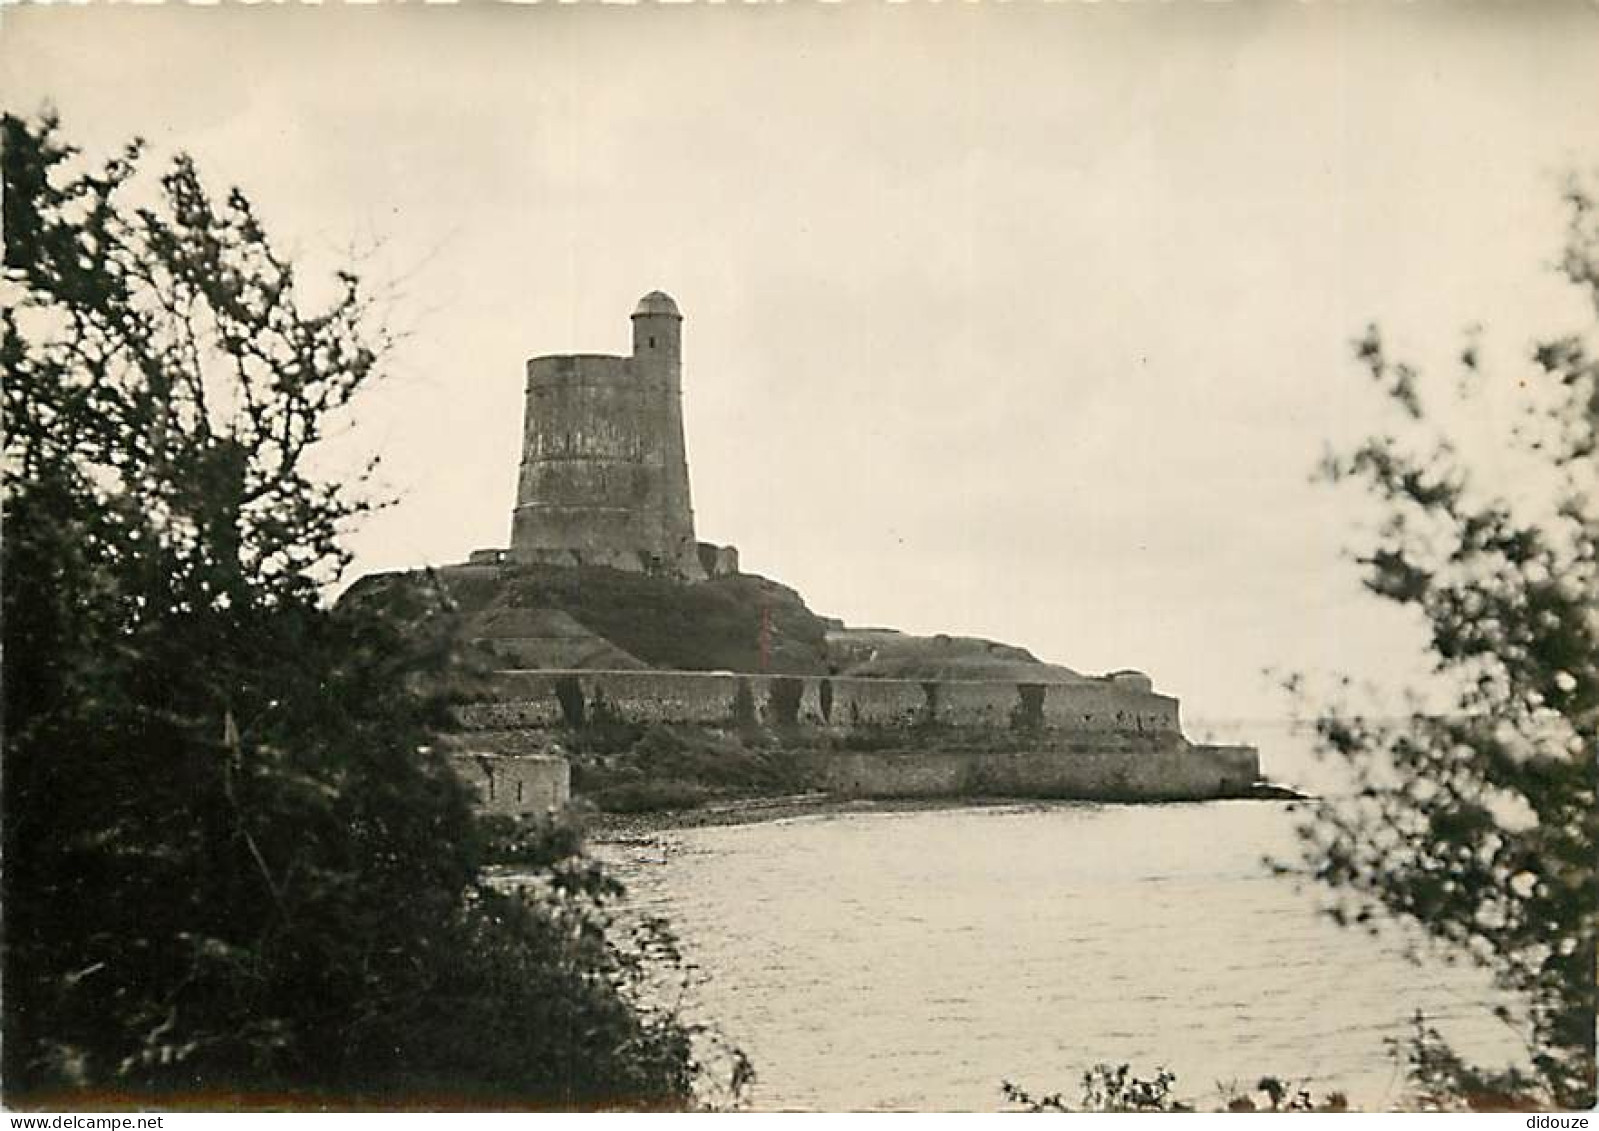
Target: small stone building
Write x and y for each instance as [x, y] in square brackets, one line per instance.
[516, 784]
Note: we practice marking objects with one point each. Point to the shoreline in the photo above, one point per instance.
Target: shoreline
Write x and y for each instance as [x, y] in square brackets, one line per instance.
[626, 828]
[621, 828]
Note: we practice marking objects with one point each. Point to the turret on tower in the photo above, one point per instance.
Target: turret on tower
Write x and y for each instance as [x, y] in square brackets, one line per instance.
[658, 364]
[604, 474]
[658, 329]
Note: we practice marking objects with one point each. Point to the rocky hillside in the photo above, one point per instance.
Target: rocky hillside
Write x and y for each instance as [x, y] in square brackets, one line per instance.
[593, 617]
[545, 617]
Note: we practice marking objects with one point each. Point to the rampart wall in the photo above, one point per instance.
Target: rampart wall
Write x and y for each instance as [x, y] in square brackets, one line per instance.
[1085, 771]
[1095, 738]
[555, 698]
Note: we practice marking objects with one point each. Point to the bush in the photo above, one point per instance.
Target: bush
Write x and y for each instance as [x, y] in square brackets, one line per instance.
[234, 863]
[1478, 823]
[672, 767]
[1114, 1088]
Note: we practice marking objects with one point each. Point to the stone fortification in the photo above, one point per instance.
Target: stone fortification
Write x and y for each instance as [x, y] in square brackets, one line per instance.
[603, 482]
[604, 472]
[515, 786]
[1077, 770]
[1088, 706]
[1110, 738]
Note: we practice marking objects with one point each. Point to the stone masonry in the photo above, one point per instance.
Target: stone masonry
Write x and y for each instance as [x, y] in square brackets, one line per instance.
[604, 473]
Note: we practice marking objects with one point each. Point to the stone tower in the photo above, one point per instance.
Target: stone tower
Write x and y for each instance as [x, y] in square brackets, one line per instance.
[604, 475]
[658, 367]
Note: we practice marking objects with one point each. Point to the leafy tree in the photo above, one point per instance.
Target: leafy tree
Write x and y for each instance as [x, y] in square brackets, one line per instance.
[1477, 823]
[235, 864]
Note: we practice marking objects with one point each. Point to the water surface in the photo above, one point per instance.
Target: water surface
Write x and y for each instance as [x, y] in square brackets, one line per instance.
[913, 960]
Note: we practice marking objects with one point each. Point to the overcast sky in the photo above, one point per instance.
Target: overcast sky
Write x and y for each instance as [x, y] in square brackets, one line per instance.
[1020, 321]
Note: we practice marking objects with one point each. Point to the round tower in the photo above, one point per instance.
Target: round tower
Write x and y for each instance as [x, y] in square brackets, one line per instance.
[604, 473]
[658, 367]
[583, 481]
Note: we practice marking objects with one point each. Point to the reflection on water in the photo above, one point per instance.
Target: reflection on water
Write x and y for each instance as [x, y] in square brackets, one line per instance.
[913, 960]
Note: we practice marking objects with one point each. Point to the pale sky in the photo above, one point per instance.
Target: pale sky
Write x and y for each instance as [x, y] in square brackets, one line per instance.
[1022, 321]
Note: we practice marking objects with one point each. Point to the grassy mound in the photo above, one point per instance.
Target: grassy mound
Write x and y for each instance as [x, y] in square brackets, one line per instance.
[883, 653]
[711, 625]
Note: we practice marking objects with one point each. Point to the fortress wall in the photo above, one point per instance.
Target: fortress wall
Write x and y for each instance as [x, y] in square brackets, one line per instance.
[1102, 705]
[1238, 761]
[541, 713]
[977, 704]
[1129, 772]
[529, 685]
[533, 699]
[816, 708]
[717, 561]
[667, 697]
[1128, 749]
[928, 773]
[881, 702]
[787, 700]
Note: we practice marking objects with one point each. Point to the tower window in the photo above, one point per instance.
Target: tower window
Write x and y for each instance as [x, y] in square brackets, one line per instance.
[652, 343]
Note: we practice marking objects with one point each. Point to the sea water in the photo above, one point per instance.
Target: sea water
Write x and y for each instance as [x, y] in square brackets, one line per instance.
[913, 960]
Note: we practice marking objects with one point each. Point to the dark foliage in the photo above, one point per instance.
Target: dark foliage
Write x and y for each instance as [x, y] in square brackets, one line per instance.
[233, 867]
[1478, 823]
[1105, 1088]
[1273, 1094]
[1440, 1080]
[1114, 1088]
[683, 767]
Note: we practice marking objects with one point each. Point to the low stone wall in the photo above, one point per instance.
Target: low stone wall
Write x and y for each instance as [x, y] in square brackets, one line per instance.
[1134, 772]
[516, 784]
[553, 698]
[1091, 739]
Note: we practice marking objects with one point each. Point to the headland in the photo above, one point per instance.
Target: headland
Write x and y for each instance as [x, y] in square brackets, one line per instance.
[637, 667]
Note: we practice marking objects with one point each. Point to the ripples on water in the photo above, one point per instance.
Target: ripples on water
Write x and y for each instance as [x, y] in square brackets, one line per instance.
[913, 960]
